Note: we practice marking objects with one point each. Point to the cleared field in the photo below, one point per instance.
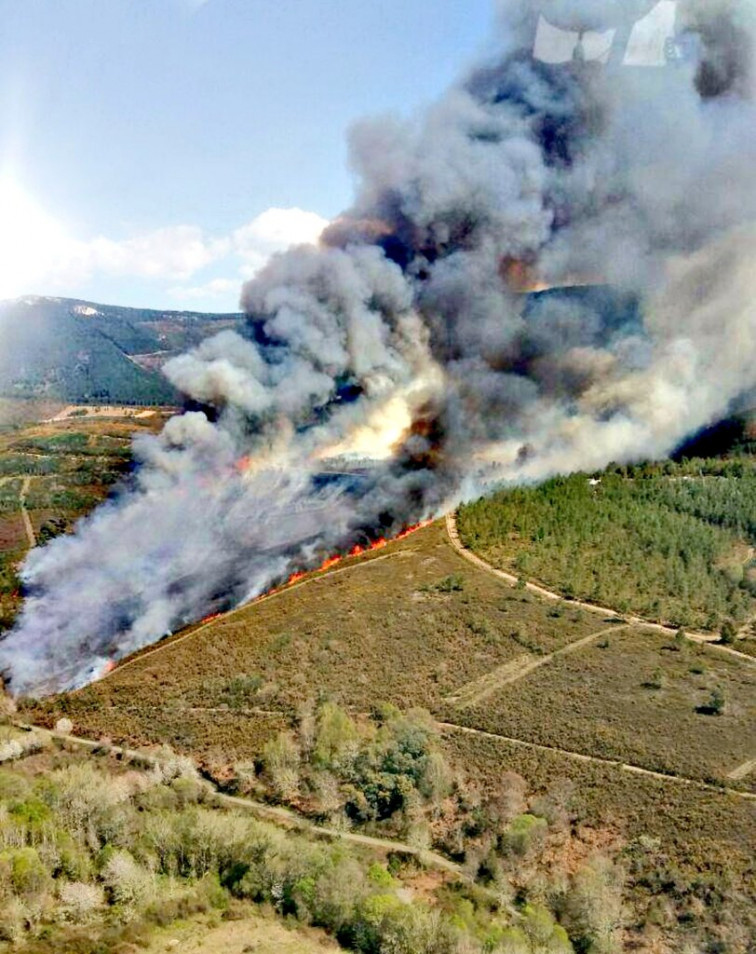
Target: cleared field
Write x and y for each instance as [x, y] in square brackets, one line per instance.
[243, 934]
[407, 625]
[637, 697]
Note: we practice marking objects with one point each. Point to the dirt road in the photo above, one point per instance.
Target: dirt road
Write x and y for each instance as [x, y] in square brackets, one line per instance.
[272, 813]
[709, 639]
[476, 692]
[32, 540]
[581, 757]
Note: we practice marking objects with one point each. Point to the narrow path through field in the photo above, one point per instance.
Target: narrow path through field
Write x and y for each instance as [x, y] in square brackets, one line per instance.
[26, 483]
[742, 771]
[29, 529]
[516, 669]
[708, 638]
[581, 757]
[274, 813]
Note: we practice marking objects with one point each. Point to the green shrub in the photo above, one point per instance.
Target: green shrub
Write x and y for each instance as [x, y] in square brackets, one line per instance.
[524, 833]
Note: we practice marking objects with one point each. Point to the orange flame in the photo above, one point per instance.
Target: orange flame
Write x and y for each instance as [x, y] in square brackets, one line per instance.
[357, 550]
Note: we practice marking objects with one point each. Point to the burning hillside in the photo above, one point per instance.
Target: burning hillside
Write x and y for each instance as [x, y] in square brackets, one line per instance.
[405, 335]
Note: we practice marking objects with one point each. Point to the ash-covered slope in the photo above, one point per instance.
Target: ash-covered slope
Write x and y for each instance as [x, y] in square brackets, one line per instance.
[79, 351]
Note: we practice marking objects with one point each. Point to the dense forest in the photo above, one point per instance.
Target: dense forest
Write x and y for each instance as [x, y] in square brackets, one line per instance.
[670, 541]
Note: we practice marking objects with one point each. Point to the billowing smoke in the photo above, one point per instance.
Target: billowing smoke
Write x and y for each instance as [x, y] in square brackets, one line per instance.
[608, 149]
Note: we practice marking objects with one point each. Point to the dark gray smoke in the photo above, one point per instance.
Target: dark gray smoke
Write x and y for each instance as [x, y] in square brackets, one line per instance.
[407, 335]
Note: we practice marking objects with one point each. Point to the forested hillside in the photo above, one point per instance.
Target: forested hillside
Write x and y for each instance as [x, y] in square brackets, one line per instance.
[57, 348]
[669, 541]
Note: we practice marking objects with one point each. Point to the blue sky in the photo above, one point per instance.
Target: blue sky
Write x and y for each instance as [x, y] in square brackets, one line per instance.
[153, 152]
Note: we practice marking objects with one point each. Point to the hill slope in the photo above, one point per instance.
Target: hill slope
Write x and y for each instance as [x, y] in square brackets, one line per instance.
[78, 351]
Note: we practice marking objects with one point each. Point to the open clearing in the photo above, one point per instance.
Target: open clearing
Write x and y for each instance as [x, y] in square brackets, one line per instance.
[245, 933]
[636, 697]
[81, 411]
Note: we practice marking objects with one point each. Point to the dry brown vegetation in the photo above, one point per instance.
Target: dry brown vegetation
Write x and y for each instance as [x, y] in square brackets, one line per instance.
[247, 932]
[683, 845]
[407, 625]
[636, 696]
[414, 624]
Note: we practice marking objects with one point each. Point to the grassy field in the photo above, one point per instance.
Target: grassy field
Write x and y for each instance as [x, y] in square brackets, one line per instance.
[248, 932]
[638, 697]
[663, 543]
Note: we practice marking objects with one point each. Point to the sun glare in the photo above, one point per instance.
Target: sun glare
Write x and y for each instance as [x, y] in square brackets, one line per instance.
[32, 242]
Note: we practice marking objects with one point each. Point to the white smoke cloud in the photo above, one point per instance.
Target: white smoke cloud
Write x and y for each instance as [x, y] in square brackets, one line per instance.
[410, 310]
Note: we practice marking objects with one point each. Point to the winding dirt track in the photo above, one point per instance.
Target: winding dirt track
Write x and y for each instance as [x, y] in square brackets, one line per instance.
[451, 527]
[273, 813]
[708, 638]
[25, 513]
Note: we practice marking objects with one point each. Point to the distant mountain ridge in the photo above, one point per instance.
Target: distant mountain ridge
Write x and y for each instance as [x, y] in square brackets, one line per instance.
[80, 351]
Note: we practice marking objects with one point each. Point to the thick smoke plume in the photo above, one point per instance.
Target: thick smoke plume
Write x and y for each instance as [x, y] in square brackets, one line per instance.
[406, 336]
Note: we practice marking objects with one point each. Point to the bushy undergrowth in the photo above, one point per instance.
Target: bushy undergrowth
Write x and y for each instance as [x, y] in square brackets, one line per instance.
[93, 853]
[386, 771]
